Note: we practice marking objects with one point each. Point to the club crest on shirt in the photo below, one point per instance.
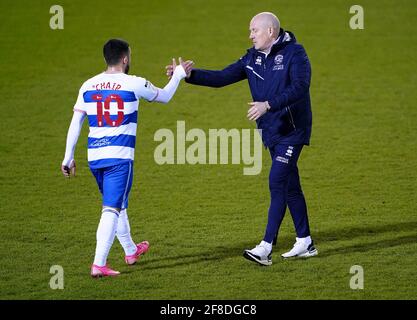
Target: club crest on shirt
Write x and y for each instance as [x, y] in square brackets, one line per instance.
[279, 58]
[258, 60]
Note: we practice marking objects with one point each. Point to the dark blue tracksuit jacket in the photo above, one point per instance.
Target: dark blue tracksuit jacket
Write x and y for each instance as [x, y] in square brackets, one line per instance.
[282, 78]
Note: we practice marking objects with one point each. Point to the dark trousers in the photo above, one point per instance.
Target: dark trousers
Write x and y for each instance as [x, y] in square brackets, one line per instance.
[285, 190]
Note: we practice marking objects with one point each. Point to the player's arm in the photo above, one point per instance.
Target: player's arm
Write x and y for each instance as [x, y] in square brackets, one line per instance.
[215, 78]
[68, 164]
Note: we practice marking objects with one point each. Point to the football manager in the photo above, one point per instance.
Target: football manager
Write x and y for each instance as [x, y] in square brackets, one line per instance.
[278, 72]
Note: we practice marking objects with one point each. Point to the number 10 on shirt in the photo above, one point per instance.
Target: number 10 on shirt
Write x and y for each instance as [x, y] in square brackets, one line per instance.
[106, 106]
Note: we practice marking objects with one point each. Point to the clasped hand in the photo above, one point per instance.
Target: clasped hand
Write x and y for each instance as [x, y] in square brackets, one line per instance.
[187, 65]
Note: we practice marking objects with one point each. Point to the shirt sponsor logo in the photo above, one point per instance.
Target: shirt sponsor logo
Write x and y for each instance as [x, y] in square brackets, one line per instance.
[100, 143]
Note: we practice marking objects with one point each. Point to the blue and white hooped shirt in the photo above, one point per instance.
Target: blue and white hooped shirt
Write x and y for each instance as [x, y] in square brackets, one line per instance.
[111, 103]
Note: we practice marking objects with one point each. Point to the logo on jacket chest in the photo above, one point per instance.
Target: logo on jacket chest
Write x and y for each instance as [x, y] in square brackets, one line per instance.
[258, 60]
[278, 62]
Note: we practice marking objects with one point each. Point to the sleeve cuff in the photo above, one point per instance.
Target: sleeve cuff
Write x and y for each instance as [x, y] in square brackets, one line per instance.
[274, 105]
[79, 110]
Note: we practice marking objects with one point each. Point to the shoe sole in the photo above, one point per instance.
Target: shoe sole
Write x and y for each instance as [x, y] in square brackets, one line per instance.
[307, 254]
[139, 256]
[250, 257]
[97, 276]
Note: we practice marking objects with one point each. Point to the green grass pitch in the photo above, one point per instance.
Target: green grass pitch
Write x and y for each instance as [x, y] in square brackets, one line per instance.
[359, 175]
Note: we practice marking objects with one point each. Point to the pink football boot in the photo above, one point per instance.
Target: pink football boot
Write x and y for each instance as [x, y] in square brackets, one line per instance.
[98, 272]
[142, 248]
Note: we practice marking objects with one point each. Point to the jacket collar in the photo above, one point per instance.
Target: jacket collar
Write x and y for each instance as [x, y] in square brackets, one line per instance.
[284, 38]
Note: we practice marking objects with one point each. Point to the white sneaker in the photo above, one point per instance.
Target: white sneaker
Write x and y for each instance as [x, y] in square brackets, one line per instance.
[260, 254]
[303, 248]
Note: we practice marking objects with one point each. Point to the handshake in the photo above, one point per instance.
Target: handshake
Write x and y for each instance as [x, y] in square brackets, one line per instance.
[256, 109]
[187, 65]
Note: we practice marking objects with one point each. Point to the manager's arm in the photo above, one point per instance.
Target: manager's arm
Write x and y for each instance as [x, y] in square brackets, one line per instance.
[218, 78]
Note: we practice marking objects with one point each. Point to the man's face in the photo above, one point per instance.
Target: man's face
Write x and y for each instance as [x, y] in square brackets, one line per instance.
[259, 34]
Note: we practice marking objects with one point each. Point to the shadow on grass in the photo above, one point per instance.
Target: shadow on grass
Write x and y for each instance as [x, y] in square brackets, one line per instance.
[214, 253]
[368, 231]
[368, 246]
[217, 253]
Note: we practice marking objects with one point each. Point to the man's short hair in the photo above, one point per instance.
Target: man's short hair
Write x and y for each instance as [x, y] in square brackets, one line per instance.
[114, 50]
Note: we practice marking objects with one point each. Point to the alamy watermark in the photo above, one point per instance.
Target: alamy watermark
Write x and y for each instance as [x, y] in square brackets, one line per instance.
[57, 280]
[357, 280]
[57, 20]
[357, 20]
[211, 148]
